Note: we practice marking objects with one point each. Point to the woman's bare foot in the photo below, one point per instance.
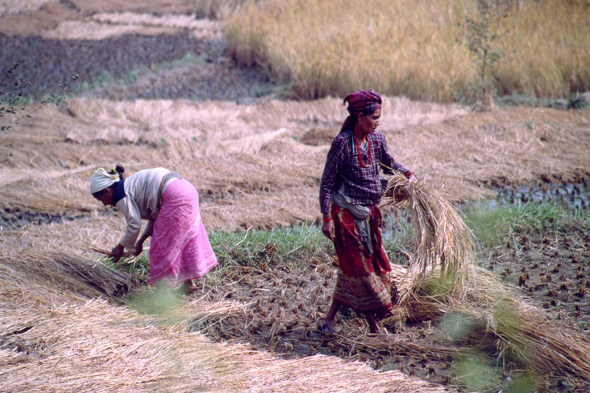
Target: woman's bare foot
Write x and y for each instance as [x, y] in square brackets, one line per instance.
[373, 325]
[188, 287]
[328, 327]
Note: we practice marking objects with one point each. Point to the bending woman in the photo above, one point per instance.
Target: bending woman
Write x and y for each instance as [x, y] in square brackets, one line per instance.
[180, 250]
[349, 192]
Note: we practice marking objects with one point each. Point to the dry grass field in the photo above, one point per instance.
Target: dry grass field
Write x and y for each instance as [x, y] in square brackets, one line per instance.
[256, 159]
[413, 48]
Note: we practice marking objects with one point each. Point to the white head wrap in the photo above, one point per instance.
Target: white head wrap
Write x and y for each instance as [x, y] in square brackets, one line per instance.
[101, 179]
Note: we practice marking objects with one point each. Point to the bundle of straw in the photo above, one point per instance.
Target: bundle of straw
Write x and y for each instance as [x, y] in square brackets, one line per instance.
[443, 241]
[444, 244]
[77, 274]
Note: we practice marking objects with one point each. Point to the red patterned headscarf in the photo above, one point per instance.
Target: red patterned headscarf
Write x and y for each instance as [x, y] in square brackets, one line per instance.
[363, 102]
[360, 102]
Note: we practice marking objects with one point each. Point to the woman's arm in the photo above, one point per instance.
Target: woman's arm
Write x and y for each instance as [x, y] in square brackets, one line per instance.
[133, 217]
[389, 163]
[149, 230]
[328, 226]
[333, 164]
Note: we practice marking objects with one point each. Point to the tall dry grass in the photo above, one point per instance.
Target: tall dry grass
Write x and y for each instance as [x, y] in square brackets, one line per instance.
[410, 48]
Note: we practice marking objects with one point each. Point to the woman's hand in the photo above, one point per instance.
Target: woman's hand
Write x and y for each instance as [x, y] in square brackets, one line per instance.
[328, 230]
[117, 253]
[412, 179]
[138, 248]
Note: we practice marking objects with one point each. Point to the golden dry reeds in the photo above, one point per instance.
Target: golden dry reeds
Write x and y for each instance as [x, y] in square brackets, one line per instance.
[443, 280]
[73, 273]
[410, 48]
[442, 239]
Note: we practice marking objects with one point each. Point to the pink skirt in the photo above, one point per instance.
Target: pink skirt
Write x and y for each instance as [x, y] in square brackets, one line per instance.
[180, 249]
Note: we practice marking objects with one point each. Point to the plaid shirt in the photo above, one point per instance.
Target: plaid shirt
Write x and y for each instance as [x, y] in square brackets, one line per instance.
[343, 167]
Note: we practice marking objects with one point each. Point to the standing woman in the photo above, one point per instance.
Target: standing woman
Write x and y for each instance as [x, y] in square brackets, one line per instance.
[180, 250]
[349, 192]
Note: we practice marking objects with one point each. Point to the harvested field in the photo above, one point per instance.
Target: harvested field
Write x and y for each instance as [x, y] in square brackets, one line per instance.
[173, 57]
[243, 155]
[64, 338]
[68, 322]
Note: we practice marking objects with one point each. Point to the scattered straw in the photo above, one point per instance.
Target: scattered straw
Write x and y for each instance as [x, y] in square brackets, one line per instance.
[54, 339]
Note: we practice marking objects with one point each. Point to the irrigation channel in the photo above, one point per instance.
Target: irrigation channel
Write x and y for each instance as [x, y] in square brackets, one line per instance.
[571, 195]
[16, 219]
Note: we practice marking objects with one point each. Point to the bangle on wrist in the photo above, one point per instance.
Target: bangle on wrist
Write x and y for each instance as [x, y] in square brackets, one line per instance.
[326, 220]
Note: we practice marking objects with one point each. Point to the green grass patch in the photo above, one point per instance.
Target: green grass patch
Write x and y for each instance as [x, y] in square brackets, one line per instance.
[138, 268]
[490, 224]
[295, 244]
[292, 248]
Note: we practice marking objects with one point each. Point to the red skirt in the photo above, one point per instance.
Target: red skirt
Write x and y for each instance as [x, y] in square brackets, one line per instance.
[363, 282]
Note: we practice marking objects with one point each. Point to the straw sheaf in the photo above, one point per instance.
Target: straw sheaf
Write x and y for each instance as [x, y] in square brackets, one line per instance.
[443, 279]
[72, 273]
[442, 240]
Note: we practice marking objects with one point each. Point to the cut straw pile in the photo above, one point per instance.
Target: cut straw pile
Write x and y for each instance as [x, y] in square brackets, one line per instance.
[443, 241]
[72, 273]
[53, 338]
[443, 279]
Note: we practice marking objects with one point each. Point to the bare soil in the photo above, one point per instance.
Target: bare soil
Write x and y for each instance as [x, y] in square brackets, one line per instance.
[214, 77]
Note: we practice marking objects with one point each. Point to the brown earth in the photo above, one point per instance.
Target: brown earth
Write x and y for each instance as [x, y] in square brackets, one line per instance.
[549, 269]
